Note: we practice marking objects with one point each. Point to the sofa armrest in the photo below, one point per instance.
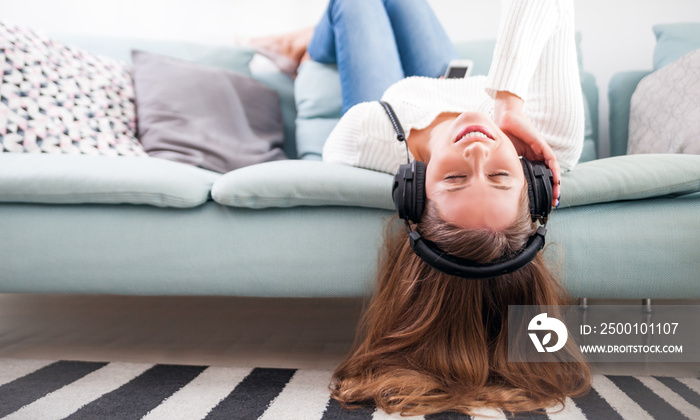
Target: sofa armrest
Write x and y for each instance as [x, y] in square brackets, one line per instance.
[620, 89]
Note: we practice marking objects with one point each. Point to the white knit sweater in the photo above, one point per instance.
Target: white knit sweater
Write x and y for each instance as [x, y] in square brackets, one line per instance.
[535, 58]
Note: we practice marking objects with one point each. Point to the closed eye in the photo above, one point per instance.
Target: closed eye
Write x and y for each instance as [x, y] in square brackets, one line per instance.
[454, 177]
[500, 173]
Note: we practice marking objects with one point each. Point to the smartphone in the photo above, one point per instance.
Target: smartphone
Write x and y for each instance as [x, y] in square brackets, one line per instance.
[459, 68]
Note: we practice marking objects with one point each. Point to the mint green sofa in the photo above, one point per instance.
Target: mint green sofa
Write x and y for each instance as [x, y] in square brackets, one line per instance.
[628, 226]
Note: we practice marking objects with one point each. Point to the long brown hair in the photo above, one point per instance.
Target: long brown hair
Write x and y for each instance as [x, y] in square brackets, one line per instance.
[430, 342]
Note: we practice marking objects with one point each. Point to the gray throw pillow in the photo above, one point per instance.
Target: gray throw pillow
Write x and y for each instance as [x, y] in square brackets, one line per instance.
[205, 116]
[665, 111]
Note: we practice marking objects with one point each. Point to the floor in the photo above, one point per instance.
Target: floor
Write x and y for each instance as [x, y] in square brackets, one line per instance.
[219, 331]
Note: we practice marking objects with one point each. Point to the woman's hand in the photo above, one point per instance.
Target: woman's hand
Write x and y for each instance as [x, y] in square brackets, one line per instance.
[526, 138]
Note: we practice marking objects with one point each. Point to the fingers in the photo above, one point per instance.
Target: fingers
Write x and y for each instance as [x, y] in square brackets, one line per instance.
[533, 146]
[545, 153]
[556, 190]
[553, 164]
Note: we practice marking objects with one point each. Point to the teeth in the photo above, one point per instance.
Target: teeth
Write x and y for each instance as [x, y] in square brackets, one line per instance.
[474, 134]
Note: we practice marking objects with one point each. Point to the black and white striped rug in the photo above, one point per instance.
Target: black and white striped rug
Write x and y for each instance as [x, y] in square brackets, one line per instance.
[43, 390]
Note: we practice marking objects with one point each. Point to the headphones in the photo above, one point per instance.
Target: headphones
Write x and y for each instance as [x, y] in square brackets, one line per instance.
[410, 197]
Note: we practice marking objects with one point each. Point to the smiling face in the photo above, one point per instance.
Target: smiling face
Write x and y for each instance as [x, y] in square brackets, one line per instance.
[474, 175]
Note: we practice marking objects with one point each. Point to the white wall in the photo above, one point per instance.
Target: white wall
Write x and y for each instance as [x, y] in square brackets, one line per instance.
[616, 33]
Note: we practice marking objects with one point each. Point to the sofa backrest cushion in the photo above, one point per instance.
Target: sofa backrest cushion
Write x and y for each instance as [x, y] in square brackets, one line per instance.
[284, 86]
[234, 58]
[318, 104]
[481, 52]
[620, 89]
[673, 41]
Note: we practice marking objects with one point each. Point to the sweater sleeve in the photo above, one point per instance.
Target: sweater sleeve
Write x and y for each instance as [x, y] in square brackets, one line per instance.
[525, 27]
[342, 147]
[535, 58]
[364, 137]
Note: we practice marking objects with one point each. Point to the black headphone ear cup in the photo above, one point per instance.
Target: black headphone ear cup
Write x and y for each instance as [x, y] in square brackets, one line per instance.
[540, 184]
[545, 184]
[398, 191]
[529, 178]
[418, 202]
[409, 191]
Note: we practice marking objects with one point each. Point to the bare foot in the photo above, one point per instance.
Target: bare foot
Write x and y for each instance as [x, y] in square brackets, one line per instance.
[305, 57]
[286, 50]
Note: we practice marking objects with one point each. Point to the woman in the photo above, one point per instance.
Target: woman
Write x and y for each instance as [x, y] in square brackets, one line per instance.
[432, 341]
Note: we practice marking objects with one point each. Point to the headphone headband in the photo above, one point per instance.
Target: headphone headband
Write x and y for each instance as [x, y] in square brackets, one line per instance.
[409, 198]
[461, 267]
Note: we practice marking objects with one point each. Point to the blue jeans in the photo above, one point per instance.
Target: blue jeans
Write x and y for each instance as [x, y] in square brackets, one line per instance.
[376, 43]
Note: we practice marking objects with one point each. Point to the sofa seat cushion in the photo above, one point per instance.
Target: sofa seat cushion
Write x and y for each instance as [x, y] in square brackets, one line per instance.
[303, 183]
[630, 177]
[312, 183]
[77, 179]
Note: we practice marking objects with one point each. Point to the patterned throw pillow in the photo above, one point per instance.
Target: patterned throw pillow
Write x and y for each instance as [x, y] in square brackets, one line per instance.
[665, 109]
[55, 98]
